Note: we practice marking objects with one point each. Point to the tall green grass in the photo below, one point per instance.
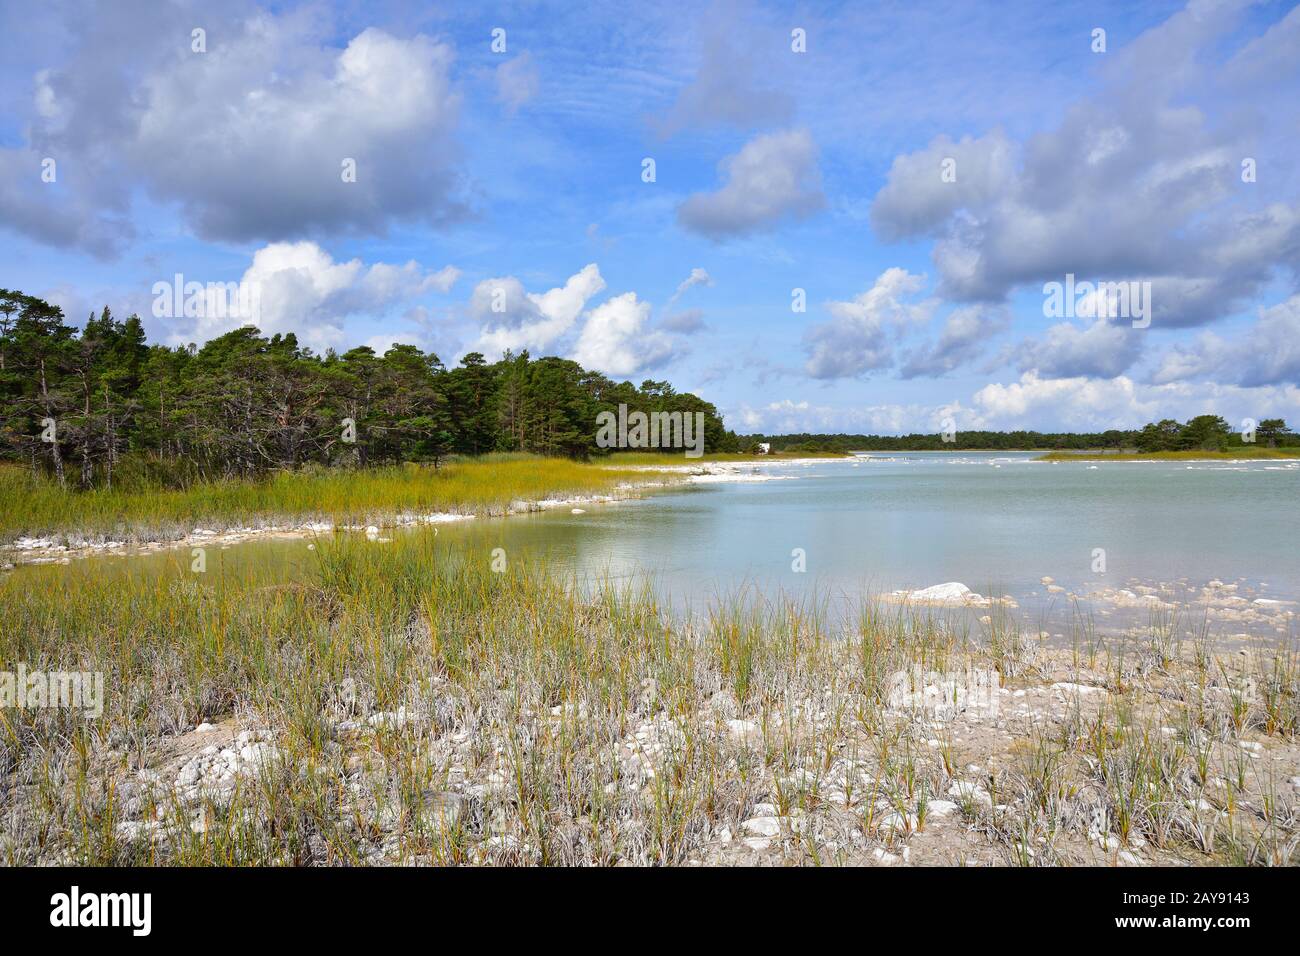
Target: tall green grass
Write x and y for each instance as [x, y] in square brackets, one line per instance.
[31, 505]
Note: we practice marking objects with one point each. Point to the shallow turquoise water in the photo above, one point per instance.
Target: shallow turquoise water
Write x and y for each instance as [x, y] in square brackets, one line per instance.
[995, 522]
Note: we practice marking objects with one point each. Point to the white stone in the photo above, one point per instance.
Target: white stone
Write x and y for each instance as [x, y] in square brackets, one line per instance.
[1107, 841]
[132, 830]
[762, 826]
[938, 809]
[256, 754]
[898, 822]
[944, 695]
[953, 592]
[969, 792]
[1064, 687]
[742, 729]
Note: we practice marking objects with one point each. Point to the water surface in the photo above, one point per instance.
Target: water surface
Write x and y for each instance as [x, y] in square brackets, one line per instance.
[996, 522]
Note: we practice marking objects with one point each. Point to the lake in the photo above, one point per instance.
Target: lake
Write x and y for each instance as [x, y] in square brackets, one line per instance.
[1125, 540]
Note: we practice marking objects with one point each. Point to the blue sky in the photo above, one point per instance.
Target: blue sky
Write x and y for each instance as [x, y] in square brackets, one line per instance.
[519, 173]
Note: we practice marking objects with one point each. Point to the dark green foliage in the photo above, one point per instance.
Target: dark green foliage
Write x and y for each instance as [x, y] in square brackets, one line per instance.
[244, 404]
[1203, 433]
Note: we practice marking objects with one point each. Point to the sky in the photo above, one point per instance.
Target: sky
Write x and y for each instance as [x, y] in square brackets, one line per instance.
[820, 217]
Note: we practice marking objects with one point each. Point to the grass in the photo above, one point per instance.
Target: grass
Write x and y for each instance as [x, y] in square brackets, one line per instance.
[489, 485]
[1231, 454]
[402, 702]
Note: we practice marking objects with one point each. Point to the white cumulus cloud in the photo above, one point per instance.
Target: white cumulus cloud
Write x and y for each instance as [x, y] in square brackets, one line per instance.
[615, 339]
[300, 288]
[514, 318]
[773, 177]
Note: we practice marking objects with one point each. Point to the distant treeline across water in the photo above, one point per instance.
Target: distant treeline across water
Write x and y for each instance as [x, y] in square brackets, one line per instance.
[1202, 433]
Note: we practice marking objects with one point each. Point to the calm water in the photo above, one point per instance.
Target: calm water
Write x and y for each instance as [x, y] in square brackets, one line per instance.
[995, 522]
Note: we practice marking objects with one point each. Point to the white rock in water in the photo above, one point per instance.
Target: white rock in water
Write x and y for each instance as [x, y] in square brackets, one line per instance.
[952, 591]
[577, 511]
[949, 594]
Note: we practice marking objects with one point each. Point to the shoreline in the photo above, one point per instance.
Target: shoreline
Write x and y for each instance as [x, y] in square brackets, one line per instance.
[489, 731]
[1257, 613]
[63, 547]
[47, 550]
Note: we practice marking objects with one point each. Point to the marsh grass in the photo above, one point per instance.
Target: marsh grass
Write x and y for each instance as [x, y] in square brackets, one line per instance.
[419, 708]
[490, 484]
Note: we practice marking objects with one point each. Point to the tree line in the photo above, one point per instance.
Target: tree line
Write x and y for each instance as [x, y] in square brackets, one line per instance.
[1210, 433]
[1202, 433]
[99, 404]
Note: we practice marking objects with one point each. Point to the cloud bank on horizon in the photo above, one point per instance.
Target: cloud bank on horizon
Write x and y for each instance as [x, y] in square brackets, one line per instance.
[842, 220]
